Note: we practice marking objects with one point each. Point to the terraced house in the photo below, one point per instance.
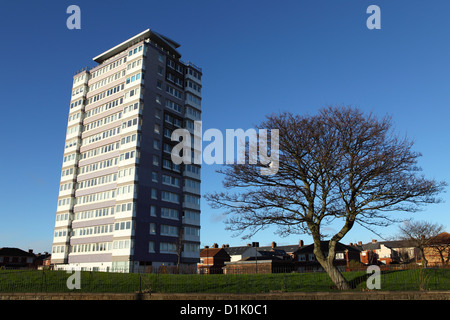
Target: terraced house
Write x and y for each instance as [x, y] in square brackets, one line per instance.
[123, 204]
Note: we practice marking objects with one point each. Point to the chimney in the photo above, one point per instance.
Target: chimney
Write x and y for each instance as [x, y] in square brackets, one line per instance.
[351, 244]
[359, 243]
[215, 245]
[30, 250]
[300, 243]
[249, 245]
[374, 240]
[224, 245]
[274, 244]
[255, 244]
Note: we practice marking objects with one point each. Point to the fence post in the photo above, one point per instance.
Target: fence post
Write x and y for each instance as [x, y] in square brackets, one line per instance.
[44, 281]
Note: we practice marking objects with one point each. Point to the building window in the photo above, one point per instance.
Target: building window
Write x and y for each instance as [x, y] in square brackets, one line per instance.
[152, 228]
[169, 230]
[151, 246]
[152, 211]
[167, 247]
[339, 256]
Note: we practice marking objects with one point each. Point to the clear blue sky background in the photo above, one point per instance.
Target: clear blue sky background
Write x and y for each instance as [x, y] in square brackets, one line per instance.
[258, 57]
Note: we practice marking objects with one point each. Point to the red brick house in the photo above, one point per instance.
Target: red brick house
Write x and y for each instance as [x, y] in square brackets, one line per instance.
[212, 260]
[15, 258]
[437, 252]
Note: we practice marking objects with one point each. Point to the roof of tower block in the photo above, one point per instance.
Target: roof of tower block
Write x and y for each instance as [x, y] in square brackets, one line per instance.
[158, 39]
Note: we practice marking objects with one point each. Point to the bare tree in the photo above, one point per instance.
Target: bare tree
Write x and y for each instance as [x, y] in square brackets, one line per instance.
[422, 234]
[338, 165]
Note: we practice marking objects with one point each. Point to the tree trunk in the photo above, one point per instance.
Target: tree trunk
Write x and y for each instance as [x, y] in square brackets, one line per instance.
[329, 267]
[336, 276]
[425, 261]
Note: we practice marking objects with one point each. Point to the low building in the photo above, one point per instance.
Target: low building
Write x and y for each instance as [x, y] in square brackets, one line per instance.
[42, 260]
[212, 260]
[389, 252]
[266, 263]
[242, 252]
[437, 252]
[344, 255]
[15, 258]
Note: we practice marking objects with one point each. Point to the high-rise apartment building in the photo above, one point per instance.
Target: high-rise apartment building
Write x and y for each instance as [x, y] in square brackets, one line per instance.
[123, 204]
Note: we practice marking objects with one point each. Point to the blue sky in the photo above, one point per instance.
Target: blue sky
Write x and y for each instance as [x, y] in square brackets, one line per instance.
[258, 57]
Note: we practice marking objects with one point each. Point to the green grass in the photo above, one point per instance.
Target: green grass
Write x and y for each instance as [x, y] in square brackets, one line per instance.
[55, 281]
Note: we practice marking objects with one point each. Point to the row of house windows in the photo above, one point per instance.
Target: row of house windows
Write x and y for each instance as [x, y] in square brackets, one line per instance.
[65, 186]
[193, 73]
[69, 157]
[98, 213]
[100, 150]
[105, 81]
[79, 78]
[97, 181]
[129, 155]
[88, 231]
[107, 68]
[176, 80]
[174, 92]
[95, 197]
[104, 107]
[193, 99]
[106, 93]
[71, 143]
[133, 78]
[91, 247]
[99, 165]
[66, 172]
[175, 66]
[135, 50]
[74, 116]
[169, 247]
[76, 103]
[128, 139]
[133, 64]
[131, 188]
[101, 136]
[103, 121]
[65, 202]
[193, 86]
[62, 217]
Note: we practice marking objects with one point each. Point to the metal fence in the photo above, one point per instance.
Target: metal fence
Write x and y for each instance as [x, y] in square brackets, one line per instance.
[169, 281]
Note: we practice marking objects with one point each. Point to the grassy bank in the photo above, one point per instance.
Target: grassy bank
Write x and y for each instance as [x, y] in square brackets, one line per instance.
[55, 281]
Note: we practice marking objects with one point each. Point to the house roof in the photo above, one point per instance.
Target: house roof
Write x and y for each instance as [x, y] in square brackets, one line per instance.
[441, 239]
[390, 244]
[212, 252]
[324, 247]
[15, 252]
[239, 250]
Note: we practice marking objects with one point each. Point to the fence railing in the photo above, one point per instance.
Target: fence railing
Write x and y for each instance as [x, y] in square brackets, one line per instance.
[167, 281]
